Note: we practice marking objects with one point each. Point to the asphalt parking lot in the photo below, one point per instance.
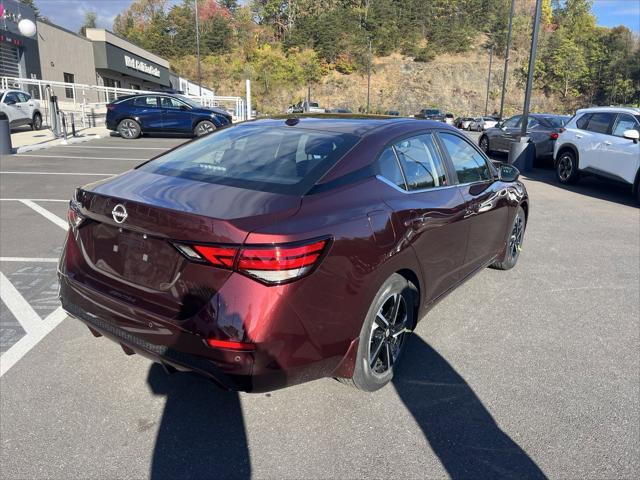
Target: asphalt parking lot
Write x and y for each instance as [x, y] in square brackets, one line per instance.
[527, 373]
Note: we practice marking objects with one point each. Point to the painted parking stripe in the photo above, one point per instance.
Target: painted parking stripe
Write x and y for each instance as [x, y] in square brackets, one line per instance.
[66, 157]
[34, 200]
[23, 312]
[59, 173]
[26, 343]
[46, 214]
[29, 259]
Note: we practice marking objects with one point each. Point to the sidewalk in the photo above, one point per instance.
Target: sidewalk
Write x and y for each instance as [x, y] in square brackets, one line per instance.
[24, 140]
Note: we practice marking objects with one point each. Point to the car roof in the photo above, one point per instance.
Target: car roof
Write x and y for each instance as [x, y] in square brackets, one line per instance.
[631, 110]
[346, 123]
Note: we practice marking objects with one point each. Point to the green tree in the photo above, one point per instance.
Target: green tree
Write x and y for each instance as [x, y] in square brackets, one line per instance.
[90, 18]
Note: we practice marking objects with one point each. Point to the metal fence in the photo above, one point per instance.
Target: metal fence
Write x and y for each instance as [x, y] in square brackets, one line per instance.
[89, 100]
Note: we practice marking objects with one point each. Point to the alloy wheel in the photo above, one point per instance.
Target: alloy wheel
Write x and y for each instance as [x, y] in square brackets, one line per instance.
[484, 144]
[37, 122]
[565, 168]
[128, 129]
[388, 332]
[204, 128]
[517, 235]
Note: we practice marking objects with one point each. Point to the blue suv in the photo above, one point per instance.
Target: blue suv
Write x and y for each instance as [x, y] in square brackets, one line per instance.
[161, 113]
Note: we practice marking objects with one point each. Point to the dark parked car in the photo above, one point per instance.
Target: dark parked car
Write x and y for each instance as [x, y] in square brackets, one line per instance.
[542, 129]
[338, 110]
[160, 113]
[393, 113]
[431, 114]
[279, 251]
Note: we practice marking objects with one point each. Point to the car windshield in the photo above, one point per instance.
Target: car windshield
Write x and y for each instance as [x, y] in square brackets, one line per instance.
[489, 119]
[313, 104]
[285, 160]
[432, 112]
[189, 101]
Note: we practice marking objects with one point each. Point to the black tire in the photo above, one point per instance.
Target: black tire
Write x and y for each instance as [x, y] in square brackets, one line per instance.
[383, 337]
[567, 168]
[129, 129]
[203, 128]
[484, 144]
[514, 242]
[36, 121]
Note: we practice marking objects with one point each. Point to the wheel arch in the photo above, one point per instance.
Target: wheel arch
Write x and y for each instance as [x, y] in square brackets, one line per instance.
[568, 147]
[410, 276]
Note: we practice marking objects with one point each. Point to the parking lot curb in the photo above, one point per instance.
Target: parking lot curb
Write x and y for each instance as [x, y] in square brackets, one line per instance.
[57, 141]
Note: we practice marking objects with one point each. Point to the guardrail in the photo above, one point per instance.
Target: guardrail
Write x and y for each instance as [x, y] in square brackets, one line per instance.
[79, 95]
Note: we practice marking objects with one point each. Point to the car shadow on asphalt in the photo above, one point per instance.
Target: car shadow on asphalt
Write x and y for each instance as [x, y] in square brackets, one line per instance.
[201, 434]
[599, 188]
[458, 427]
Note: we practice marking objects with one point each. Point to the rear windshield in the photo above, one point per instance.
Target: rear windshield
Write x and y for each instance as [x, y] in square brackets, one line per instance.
[557, 122]
[284, 160]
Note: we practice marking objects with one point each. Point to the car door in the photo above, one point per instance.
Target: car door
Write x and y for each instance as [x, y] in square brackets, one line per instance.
[428, 209]
[176, 115]
[510, 128]
[26, 105]
[146, 109]
[591, 141]
[13, 109]
[621, 157]
[486, 203]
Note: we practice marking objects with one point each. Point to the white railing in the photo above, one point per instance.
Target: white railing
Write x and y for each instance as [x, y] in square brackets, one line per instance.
[80, 97]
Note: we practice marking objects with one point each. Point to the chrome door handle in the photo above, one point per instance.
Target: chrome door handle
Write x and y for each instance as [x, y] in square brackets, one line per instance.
[578, 135]
[607, 143]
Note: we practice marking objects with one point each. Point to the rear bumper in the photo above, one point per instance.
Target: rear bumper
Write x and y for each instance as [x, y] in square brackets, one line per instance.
[165, 343]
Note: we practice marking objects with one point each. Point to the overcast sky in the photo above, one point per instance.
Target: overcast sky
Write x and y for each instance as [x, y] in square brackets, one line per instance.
[70, 13]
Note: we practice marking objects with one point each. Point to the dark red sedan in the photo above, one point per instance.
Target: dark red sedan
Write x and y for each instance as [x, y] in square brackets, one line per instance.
[283, 250]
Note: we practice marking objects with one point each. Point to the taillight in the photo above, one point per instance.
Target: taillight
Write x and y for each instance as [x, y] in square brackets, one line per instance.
[111, 107]
[280, 264]
[74, 217]
[272, 264]
[231, 345]
[554, 136]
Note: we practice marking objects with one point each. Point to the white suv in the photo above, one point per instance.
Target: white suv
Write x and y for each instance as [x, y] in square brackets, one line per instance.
[21, 109]
[601, 141]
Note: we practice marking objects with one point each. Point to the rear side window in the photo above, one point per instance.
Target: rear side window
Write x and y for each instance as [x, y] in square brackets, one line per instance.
[388, 168]
[23, 97]
[625, 122]
[600, 122]
[285, 160]
[582, 122]
[422, 166]
[470, 166]
[145, 102]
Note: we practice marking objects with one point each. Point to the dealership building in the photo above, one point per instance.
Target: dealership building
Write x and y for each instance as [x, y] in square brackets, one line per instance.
[58, 55]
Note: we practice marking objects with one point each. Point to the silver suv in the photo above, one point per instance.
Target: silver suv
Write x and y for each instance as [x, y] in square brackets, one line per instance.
[21, 109]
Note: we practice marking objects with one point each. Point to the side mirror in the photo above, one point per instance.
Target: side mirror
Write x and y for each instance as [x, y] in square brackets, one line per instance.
[508, 173]
[632, 135]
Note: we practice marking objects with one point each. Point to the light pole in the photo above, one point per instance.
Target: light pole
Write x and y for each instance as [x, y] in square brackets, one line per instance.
[198, 48]
[532, 67]
[486, 103]
[506, 58]
[369, 76]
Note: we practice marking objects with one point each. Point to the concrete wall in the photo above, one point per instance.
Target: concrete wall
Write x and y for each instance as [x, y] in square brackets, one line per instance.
[63, 51]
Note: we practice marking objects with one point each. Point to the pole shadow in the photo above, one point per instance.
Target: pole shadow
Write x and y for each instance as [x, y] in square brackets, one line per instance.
[460, 430]
[202, 433]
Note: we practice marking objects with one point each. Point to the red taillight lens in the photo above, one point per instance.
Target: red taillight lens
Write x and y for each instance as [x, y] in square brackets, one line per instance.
[281, 263]
[272, 264]
[231, 345]
[218, 256]
[74, 217]
[554, 136]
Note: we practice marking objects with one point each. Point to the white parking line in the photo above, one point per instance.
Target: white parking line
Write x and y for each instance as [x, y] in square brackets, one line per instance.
[117, 148]
[34, 200]
[66, 157]
[26, 343]
[29, 259]
[18, 306]
[59, 173]
[46, 214]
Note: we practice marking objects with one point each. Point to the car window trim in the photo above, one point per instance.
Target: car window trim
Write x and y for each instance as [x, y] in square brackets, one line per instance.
[492, 169]
[617, 120]
[442, 159]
